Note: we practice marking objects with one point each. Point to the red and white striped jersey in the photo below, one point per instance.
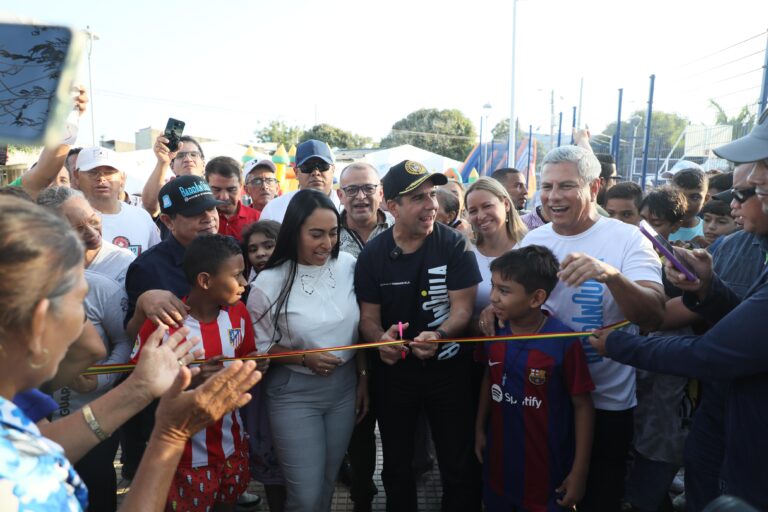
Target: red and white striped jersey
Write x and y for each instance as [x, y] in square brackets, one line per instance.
[231, 335]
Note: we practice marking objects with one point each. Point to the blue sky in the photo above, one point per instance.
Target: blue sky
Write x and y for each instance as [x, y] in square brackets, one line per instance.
[225, 67]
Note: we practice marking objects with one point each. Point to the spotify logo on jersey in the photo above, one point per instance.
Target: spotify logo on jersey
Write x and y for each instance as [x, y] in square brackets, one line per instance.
[496, 393]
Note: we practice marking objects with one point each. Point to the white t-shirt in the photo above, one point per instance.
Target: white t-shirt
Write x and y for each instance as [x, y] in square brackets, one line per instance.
[322, 308]
[130, 229]
[112, 261]
[483, 297]
[591, 305]
[105, 306]
[276, 208]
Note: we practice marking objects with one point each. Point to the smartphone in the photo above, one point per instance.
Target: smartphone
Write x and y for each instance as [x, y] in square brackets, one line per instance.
[38, 66]
[173, 131]
[663, 246]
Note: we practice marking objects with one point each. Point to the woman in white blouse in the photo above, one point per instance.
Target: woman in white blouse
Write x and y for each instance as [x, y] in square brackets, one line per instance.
[304, 299]
[497, 228]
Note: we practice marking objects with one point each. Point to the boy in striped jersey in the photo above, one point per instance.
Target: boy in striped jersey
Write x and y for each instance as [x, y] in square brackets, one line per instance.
[213, 471]
[533, 431]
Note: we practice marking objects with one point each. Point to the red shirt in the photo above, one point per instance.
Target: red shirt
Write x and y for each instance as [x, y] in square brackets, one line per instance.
[234, 227]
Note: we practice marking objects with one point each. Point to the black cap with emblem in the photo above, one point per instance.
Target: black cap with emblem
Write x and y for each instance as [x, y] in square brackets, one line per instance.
[406, 177]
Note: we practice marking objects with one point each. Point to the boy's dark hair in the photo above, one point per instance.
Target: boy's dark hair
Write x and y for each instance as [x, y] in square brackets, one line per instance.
[607, 165]
[667, 203]
[448, 202]
[206, 253]
[626, 190]
[534, 267]
[690, 179]
[224, 166]
[716, 207]
[721, 182]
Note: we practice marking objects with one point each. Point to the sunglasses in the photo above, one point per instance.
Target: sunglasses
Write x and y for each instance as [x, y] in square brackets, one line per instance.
[743, 194]
[312, 167]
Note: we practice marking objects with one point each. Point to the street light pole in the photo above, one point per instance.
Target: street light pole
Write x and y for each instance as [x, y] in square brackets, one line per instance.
[486, 111]
[512, 125]
[636, 122]
[91, 38]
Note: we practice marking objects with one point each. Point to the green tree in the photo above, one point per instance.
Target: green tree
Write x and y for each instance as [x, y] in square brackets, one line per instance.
[743, 121]
[501, 131]
[664, 125]
[445, 132]
[279, 133]
[336, 137]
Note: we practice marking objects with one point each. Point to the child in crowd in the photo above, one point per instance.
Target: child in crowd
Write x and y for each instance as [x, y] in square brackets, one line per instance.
[664, 209]
[213, 471]
[664, 405]
[719, 183]
[718, 222]
[258, 243]
[622, 202]
[693, 185]
[535, 417]
[448, 208]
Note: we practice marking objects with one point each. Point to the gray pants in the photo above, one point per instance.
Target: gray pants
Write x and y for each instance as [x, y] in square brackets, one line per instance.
[312, 419]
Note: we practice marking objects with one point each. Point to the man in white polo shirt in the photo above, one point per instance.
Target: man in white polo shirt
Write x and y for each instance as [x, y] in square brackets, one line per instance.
[99, 177]
[314, 169]
[609, 272]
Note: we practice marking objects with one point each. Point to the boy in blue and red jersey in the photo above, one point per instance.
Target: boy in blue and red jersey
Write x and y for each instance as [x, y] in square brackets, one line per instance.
[535, 417]
[213, 470]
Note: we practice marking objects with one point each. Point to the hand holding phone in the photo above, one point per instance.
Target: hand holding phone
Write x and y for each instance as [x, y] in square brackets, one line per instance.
[665, 249]
[173, 132]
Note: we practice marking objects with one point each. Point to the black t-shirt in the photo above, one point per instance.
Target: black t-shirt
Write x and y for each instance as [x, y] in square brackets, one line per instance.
[414, 287]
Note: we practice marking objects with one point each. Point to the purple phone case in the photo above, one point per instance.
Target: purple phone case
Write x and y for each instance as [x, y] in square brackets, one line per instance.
[668, 254]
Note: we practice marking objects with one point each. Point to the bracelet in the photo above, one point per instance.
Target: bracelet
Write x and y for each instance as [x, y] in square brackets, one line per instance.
[93, 423]
[442, 333]
[304, 360]
[362, 373]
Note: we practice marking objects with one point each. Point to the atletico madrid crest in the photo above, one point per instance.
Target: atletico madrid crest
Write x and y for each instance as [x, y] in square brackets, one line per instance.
[235, 337]
[537, 377]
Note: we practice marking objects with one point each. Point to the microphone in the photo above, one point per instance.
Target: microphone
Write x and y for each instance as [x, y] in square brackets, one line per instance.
[395, 253]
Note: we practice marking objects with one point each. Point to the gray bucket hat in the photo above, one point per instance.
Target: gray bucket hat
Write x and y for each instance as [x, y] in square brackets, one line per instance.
[750, 148]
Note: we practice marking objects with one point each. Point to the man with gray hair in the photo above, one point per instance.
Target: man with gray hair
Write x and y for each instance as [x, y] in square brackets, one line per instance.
[361, 194]
[608, 272]
[100, 256]
[99, 177]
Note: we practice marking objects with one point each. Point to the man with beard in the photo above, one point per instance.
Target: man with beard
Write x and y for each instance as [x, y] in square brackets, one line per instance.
[225, 178]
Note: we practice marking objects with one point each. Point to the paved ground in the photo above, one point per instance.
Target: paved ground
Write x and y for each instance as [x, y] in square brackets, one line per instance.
[429, 489]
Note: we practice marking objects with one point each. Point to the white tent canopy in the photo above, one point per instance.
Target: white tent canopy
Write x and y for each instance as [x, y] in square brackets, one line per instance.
[383, 159]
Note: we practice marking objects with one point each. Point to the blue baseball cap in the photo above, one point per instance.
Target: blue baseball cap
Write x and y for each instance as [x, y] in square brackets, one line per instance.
[313, 149]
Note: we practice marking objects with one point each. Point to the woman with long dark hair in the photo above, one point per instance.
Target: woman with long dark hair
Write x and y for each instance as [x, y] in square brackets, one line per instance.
[304, 299]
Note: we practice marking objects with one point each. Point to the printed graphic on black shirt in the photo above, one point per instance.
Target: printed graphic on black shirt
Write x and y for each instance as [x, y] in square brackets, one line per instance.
[414, 287]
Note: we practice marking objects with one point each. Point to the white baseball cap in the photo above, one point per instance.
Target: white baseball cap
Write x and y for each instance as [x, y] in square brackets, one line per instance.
[96, 156]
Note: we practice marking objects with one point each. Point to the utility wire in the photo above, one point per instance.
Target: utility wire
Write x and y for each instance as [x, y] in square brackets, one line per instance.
[761, 34]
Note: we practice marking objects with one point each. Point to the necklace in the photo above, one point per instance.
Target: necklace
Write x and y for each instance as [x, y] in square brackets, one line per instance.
[520, 349]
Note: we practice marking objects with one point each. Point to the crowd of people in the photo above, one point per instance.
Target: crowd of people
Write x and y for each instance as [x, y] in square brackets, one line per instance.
[217, 265]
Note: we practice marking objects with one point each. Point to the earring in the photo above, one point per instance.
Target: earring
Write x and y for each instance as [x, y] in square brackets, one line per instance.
[37, 366]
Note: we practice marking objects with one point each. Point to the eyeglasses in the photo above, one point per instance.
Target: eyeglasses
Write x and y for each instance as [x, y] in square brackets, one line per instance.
[194, 155]
[108, 173]
[353, 190]
[743, 194]
[311, 167]
[259, 182]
